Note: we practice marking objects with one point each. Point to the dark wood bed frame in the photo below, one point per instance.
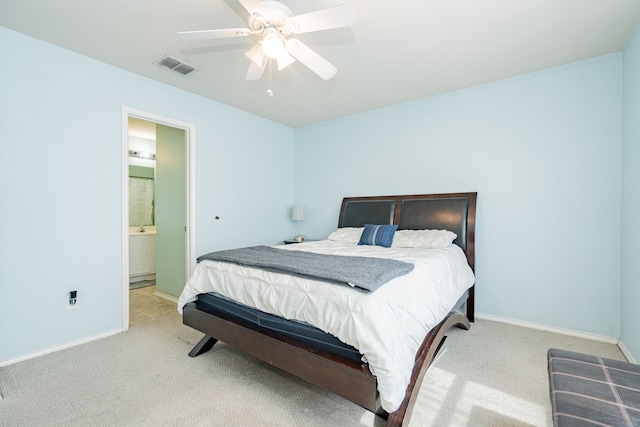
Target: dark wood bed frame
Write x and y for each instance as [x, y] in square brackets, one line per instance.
[353, 381]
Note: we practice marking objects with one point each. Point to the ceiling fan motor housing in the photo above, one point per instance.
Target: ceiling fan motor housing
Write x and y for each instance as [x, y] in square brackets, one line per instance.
[276, 16]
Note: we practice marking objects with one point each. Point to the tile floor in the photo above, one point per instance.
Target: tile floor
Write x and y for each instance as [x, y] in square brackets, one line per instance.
[145, 306]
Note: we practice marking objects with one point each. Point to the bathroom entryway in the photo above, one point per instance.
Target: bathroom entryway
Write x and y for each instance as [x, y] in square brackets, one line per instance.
[159, 211]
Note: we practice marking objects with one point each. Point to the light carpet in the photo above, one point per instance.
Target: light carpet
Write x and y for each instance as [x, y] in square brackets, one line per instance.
[492, 375]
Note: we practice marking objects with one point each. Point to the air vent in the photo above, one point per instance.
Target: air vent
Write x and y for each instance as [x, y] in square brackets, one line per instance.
[175, 65]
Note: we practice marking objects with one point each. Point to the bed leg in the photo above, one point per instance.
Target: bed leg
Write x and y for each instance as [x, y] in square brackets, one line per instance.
[382, 414]
[471, 305]
[203, 346]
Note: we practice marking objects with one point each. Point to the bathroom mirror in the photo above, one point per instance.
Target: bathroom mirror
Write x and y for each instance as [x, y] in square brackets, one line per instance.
[141, 196]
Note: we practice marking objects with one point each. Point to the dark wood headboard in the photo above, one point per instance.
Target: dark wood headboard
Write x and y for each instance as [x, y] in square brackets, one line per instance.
[455, 212]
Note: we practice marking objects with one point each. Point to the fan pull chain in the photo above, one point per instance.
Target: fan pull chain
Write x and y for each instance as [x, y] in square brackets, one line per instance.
[269, 91]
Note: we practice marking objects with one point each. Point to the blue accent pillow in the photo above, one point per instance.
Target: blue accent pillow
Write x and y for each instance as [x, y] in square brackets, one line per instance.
[378, 235]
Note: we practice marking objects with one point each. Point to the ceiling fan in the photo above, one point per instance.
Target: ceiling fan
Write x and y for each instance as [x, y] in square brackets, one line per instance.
[274, 23]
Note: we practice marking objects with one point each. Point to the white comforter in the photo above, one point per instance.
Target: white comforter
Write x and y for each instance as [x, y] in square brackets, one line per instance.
[386, 326]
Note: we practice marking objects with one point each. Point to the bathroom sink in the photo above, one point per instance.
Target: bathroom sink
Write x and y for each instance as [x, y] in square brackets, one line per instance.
[136, 231]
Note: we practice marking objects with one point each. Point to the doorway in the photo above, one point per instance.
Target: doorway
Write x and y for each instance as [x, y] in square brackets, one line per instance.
[173, 205]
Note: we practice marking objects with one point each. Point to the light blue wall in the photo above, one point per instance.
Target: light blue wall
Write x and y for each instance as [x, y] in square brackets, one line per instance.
[60, 187]
[630, 332]
[543, 152]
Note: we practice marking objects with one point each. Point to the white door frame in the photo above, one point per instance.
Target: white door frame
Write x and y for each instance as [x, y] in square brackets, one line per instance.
[190, 142]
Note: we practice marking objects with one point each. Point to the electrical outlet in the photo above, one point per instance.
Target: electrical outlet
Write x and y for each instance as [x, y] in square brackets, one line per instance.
[72, 300]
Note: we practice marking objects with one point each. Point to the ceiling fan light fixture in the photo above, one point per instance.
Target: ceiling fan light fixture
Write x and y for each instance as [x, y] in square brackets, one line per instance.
[272, 44]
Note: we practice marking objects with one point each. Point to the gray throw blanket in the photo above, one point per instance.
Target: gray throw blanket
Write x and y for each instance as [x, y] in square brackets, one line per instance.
[362, 272]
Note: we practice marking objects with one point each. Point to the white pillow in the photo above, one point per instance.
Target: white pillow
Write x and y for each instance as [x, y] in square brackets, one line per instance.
[423, 239]
[347, 235]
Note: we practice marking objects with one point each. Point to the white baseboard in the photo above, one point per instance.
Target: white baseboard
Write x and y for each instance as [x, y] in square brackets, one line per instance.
[165, 296]
[134, 279]
[80, 341]
[562, 331]
[59, 347]
[626, 352]
[173, 299]
[569, 332]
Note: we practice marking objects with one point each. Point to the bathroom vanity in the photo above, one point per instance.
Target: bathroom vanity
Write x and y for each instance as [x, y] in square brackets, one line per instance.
[142, 253]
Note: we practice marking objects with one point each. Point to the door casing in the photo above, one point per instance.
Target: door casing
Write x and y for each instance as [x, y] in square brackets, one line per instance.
[190, 140]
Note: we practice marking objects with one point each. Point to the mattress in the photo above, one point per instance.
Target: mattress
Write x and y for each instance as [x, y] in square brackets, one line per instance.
[302, 332]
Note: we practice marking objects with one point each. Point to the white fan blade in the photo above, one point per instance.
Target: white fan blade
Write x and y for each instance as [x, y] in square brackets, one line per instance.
[255, 71]
[255, 54]
[254, 7]
[284, 60]
[213, 34]
[310, 58]
[325, 19]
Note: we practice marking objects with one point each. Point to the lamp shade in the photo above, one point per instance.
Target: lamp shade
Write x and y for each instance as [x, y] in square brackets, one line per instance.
[272, 44]
[298, 213]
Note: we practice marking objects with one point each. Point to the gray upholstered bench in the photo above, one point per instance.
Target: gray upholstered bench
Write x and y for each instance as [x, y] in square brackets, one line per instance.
[593, 391]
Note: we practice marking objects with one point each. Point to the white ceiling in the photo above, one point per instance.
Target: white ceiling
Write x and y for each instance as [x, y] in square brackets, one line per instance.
[397, 51]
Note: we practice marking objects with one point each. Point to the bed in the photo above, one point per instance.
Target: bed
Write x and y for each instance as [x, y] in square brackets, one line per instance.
[361, 355]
